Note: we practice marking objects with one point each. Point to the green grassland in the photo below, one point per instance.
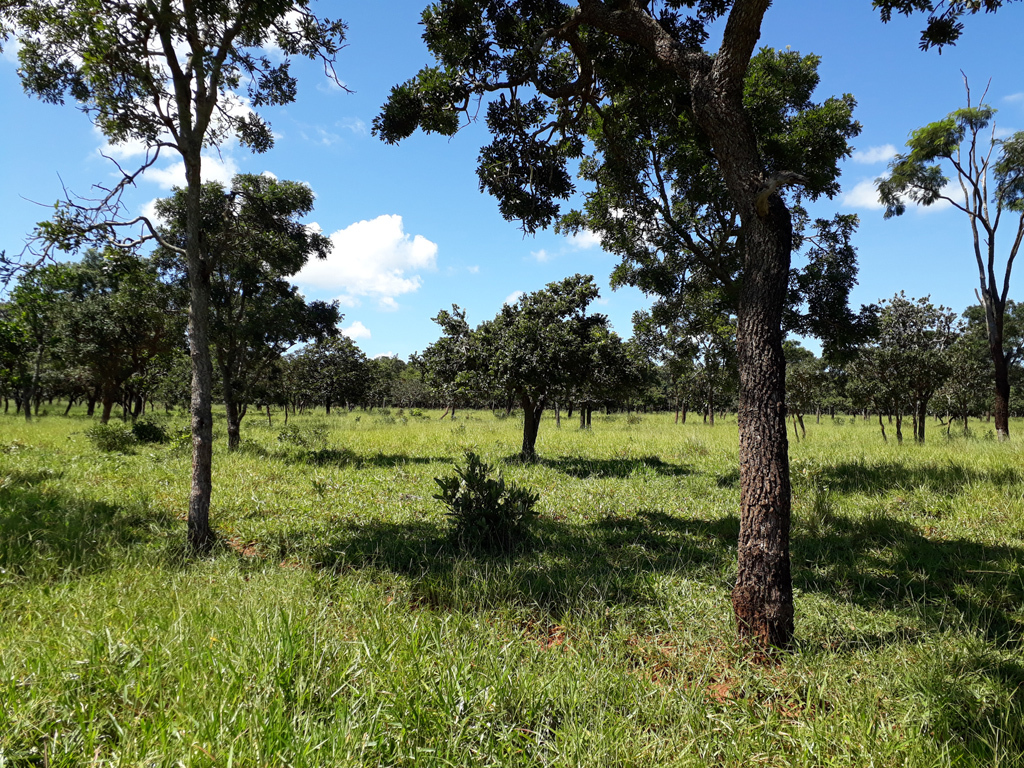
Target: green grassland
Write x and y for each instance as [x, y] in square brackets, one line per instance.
[338, 625]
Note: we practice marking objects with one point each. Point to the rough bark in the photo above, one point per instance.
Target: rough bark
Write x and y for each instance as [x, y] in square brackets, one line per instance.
[763, 595]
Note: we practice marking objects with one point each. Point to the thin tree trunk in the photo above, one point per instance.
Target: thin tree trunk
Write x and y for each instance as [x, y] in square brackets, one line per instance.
[1002, 390]
[200, 535]
[881, 425]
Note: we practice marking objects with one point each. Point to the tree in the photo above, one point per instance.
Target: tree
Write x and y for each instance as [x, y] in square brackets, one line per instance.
[535, 350]
[253, 241]
[116, 320]
[165, 73]
[805, 379]
[553, 64]
[333, 371]
[959, 142]
[908, 363]
[447, 359]
[32, 319]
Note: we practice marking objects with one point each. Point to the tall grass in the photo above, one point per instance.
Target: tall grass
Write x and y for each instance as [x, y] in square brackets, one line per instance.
[339, 624]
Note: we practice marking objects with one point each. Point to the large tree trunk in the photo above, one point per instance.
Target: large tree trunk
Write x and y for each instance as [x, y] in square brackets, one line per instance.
[763, 595]
[200, 535]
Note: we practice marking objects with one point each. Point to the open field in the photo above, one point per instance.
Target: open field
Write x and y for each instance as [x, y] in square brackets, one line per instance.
[338, 625]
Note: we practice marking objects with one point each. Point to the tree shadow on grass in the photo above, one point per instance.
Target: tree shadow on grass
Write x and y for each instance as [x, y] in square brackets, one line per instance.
[341, 457]
[949, 478]
[882, 563]
[46, 534]
[563, 568]
[582, 467]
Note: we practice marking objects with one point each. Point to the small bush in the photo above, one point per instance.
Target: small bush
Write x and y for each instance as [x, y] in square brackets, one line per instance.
[149, 432]
[486, 512]
[314, 436]
[111, 437]
[633, 419]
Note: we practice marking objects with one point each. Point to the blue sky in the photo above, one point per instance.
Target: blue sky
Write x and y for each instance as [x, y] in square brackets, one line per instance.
[414, 234]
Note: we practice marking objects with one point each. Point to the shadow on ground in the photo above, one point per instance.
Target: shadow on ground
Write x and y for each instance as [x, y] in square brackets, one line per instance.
[879, 562]
[578, 466]
[564, 567]
[45, 534]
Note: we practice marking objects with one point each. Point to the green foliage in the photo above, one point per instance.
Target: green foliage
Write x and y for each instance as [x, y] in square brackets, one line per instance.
[147, 431]
[111, 438]
[486, 512]
[310, 436]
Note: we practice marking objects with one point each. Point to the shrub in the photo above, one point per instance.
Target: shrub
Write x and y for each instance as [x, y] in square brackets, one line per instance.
[486, 512]
[149, 432]
[111, 437]
[311, 437]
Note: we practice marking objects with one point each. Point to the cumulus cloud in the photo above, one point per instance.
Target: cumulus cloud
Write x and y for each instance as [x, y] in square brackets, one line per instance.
[863, 195]
[221, 169]
[356, 331]
[512, 298]
[474, 270]
[584, 240]
[388, 304]
[371, 258]
[541, 255]
[873, 155]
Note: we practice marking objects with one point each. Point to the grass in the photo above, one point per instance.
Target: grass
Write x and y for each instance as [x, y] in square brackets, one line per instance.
[339, 625]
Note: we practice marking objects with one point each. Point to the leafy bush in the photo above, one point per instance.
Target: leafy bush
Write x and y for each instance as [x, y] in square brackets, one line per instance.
[149, 432]
[311, 437]
[111, 437]
[485, 511]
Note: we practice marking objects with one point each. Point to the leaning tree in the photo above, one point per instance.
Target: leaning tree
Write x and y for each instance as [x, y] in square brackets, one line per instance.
[175, 76]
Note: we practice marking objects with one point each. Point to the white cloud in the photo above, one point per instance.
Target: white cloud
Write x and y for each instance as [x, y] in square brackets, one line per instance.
[873, 155]
[512, 298]
[11, 48]
[584, 240]
[354, 124]
[221, 169]
[371, 258]
[149, 211]
[273, 177]
[387, 304]
[474, 270]
[863, 195]
[356, 331]
[1015, 98]
[541, 255]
